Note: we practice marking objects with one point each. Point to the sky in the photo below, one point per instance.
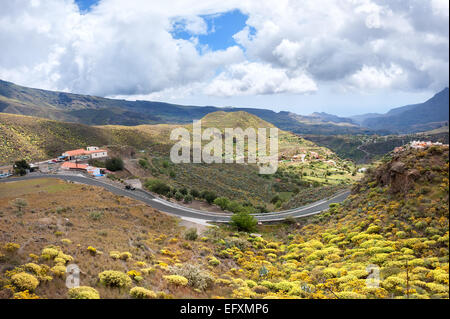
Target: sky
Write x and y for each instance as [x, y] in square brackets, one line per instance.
[343, 57]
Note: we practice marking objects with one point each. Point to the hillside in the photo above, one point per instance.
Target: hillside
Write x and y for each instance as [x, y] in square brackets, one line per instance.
[366, 148]
[396, 219]
[414, 118]
[145, 150]
[92, 110]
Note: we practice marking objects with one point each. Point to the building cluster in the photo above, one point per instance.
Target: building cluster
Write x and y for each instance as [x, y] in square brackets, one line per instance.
[91, 152]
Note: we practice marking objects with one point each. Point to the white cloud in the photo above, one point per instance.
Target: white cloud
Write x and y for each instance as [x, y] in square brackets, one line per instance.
[256, 78]
[293, 46]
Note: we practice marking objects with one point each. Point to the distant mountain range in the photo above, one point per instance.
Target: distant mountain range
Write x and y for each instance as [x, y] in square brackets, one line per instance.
[94, 110]
[421, 117]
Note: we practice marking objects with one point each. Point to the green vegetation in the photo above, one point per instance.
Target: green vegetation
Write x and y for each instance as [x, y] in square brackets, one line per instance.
[114, 164]
[395, 221]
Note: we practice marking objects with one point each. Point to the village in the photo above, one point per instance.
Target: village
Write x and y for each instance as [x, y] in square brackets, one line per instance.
[73, 160]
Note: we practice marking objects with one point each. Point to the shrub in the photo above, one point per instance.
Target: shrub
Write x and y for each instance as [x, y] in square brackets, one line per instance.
[66, 241]
[178, 196]
[49, 253]
[188, 198]
[58, 270]
[11, 247]
[95, 215]
[142, 293]
[244, 221]
[191, 234]
[125, 255]
[209, 196]
[197, 278]
[92, 250]
[25, 295]
[114, 164]
[114, 254]
[213, 261]
[83, 292]
[157, 186]
[24, 281]
[222, 202]
[19, 203]
[195, 193]
[176, 280]
[113, 278]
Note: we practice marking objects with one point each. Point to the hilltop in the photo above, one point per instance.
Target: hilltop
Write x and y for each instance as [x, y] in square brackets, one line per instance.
[396, 219]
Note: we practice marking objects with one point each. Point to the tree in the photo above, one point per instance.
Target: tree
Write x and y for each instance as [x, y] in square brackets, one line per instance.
[114, 164]
[244, 221]
[209, 196]
[20, 167]
[188, 199]
[195, 193]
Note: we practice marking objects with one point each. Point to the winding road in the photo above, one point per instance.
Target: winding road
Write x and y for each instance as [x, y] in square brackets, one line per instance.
[186, 212]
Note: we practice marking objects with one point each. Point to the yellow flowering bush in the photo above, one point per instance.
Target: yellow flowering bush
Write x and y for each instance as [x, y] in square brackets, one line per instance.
[176, 280]
[25, 281]
[142, 293]
[113, 278]
[83, 292]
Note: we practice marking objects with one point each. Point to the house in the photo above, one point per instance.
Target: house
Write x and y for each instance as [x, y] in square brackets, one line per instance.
[89, 152]
[92, 170]
[77, 166]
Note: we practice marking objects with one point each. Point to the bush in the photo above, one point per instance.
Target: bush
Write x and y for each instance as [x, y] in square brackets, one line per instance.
[24, 281]
[176, 280]
[142, 293]
[222, 202]
[191, 234]
[178, 196]
[188, 199]
[213, 261]
[195, 193]
[83, 292]
[183, 190]
[114, 164]
[244, 221]
[157, 186]
[11, 247]
[209, 196]
[19, 203]
[113, 278]
[196, 277]
[125, 255]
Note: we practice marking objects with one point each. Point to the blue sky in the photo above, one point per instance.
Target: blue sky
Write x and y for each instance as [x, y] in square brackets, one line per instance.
[221, 28]
[85, 5]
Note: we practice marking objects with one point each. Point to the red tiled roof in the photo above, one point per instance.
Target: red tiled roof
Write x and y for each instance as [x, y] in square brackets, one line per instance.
[76, 152]
[71, 165]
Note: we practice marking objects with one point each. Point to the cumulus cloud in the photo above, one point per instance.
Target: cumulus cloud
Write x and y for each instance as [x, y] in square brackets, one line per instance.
[291, 46]
[256, 78]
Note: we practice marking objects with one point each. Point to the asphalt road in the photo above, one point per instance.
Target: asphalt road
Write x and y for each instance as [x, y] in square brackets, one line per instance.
[186, 212]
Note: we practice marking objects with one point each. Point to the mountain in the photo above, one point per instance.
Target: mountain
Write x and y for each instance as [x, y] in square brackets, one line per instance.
[92, 110]
[426, 116]
[325, 117]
